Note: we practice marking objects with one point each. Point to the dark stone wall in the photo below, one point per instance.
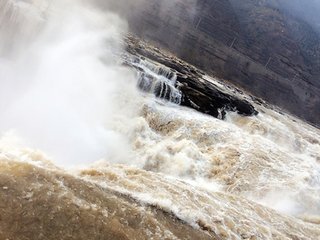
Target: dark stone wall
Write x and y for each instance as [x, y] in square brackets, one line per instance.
[256, 45]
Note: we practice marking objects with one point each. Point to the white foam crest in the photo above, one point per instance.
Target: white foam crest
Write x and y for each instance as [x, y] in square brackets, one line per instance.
[227, 216]
[246, 156]
[67, 95]
[158, 80]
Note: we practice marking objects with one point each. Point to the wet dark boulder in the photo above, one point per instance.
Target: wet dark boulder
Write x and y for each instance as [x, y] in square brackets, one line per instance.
[184, 84]
[205, 98]
[267, 47]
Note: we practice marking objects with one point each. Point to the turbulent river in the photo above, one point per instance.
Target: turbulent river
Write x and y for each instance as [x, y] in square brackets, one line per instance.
[85, 155]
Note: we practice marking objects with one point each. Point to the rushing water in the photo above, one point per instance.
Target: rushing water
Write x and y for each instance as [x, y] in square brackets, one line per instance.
[158, 80]
[67, 95]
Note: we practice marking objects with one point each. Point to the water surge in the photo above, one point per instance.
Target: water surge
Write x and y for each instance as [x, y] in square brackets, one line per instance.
[85, 154]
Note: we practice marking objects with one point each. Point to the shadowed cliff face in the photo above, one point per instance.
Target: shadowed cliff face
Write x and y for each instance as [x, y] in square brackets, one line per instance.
[267, 47]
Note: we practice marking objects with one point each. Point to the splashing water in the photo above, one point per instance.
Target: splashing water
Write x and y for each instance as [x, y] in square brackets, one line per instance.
[156, 79]
[59, 92]
[66, 94]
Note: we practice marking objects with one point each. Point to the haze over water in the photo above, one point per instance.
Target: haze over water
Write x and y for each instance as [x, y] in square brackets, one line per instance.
[69, 107]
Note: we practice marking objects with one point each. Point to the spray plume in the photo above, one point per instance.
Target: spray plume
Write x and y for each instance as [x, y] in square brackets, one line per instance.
[61, 82]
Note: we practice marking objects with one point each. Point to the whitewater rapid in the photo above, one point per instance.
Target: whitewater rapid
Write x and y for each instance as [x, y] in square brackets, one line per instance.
[81, 115]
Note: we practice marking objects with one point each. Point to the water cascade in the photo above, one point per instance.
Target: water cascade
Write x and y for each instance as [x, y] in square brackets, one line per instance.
[85, 155]
[156, 79]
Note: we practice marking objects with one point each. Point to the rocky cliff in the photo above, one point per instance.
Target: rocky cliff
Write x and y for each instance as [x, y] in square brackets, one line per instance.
[257, 45]
[170, 78]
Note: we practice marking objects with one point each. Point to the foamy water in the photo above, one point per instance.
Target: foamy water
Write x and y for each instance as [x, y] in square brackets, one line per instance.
[269, 158]
[69, 103]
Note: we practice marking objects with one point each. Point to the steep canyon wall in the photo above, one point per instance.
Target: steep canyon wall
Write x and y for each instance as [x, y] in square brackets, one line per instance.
[260, 46]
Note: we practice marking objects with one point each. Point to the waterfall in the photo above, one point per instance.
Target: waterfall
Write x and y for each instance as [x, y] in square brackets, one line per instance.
[157, 79]
[82, 151]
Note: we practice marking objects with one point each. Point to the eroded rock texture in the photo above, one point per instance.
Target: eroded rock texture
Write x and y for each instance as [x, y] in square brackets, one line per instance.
[258, 45]
[194, 90]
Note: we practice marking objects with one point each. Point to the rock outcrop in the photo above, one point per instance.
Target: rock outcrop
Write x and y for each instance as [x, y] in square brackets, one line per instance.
[194, 90]
[257, 45]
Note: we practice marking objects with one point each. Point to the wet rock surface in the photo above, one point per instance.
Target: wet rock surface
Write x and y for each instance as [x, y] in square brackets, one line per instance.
[256, 45]
[196, 91]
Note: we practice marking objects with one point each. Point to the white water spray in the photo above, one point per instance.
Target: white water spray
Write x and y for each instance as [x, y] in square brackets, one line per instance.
[64, 93]
[60, 92]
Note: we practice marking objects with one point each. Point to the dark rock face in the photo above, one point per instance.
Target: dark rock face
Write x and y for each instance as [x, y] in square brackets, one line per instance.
[205, 98]
[257, 45]
[187, 86]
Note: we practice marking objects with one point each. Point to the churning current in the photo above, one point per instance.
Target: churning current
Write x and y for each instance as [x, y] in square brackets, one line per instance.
[78, 136]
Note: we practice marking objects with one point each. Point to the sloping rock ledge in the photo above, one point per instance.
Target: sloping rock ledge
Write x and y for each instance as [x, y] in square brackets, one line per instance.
[197, 92]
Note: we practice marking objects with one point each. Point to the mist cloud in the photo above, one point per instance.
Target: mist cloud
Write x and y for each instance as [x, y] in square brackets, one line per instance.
[61, 90]
[305, 10]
